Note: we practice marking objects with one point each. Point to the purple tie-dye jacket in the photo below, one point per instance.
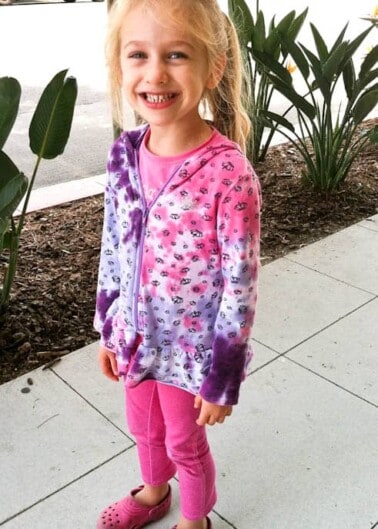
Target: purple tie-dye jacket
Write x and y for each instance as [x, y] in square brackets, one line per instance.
[182, 271]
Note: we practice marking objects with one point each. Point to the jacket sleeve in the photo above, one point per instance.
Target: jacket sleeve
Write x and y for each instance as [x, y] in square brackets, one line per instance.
[239, 241]
[108, 287]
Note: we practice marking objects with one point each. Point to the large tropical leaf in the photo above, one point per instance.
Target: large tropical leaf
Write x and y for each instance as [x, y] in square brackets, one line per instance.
[349, 78]
[272, 44]
[366, 103]
[354, 45]
[285, 24]
[320, 44]
[373, 134]
[297, 100]
[339, 39]
[297, 25]
[369, 62]
[259, 34]
[297, 56]
[368, 78]
[277, 118]
[10, 93]
[321, 81]
[335, 62]
[13, 186]
[242, 18]
[274, 66]
[51, 123]
[342, 53]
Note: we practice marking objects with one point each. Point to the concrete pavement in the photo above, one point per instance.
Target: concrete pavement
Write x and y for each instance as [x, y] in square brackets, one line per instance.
[300, 449]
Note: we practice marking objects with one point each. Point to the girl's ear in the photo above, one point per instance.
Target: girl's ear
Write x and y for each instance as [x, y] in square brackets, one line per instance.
[217, 73]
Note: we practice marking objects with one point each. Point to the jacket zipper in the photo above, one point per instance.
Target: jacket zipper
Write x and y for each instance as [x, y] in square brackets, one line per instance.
[146, 212]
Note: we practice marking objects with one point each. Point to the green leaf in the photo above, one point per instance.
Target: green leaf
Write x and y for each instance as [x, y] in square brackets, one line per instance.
[365, 104]
[10, 93]
[242, 19]
[373, 134]
[272, 24]
[7, 168]
[319, 43]
[268, 61]
[297, 56]
[297, 25]
[51, 123]
[277, 118]
[352, 47]
[339, 39]
[349, 78]
[298, 101]
[272, 44]
[331, 67]
[13, 186]
[3, 233]
[367, 79]
[320, 80]
[286, 23]
[370, 60]
[258, 34]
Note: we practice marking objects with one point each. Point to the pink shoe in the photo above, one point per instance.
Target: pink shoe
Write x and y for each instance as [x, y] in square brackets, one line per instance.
[209, 524]
[129, 514]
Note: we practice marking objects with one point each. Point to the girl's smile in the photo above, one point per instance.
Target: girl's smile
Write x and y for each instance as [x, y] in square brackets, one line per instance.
[158, 100]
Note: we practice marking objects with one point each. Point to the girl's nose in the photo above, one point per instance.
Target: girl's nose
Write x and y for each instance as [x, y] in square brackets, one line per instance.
[157, 73]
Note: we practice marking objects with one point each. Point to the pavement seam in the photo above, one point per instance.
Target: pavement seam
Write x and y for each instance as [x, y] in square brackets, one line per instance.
[282, 355]
[291, 260]
[92, 406]
[41, 500]
[333, 382]
[364, 227]
[227, 522]
[312, 335]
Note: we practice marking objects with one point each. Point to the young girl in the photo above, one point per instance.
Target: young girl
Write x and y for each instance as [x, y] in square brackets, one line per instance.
[179, 258]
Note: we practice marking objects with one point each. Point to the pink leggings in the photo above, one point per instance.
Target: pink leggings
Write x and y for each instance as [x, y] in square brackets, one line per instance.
[162, 420]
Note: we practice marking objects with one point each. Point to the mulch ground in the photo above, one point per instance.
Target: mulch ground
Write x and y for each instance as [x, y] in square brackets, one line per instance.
[52, 304]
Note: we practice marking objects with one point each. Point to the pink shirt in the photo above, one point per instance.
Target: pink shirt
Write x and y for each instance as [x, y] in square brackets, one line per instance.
[155, 170]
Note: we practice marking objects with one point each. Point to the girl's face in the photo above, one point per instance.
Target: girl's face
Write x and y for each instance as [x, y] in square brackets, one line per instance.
[164, 71]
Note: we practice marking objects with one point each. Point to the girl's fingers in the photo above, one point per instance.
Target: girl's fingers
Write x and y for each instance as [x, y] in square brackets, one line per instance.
[202, 420]
[113, 363]
[108, 364]
[197, 401]
[211, 413]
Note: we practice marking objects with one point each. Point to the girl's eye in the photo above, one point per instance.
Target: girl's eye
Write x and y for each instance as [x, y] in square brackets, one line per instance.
[137, 55]
[177, 55]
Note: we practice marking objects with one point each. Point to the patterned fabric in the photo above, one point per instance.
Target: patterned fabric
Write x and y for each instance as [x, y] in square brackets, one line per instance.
[153, 169]
[182, 272]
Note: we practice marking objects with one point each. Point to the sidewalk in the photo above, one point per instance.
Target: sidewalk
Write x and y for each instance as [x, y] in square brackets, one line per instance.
[300, 450]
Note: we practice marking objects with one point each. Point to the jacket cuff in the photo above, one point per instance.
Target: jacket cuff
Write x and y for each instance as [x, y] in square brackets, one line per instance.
[222, 384]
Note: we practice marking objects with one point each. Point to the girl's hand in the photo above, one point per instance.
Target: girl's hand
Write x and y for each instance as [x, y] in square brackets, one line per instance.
[108, 363]
[210, 413]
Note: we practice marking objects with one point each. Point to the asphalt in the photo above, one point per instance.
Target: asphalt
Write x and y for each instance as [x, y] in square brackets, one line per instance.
[300, 450]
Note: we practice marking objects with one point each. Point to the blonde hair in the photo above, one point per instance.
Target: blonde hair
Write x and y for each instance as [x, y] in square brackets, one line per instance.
[212, 29]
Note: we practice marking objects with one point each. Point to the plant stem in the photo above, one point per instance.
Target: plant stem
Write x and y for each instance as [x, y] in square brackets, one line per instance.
[11, 269]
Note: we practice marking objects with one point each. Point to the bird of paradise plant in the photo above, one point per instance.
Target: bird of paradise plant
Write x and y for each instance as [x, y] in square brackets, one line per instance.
[326, 139]
[48, 134]
[255, 37]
